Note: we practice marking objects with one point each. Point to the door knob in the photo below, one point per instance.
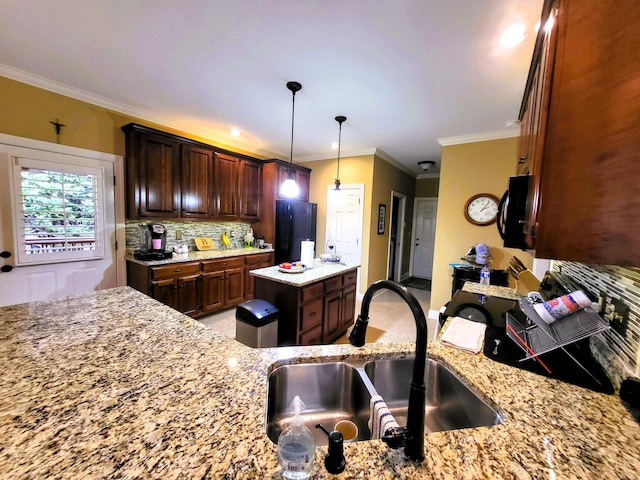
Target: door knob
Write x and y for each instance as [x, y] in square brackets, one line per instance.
[6, 268]
[5, 254]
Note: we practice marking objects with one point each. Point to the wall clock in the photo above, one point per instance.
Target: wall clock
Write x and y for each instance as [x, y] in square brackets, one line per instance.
[481, 209]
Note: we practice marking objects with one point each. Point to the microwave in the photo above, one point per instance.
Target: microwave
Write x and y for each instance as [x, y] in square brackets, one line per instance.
[512, 212]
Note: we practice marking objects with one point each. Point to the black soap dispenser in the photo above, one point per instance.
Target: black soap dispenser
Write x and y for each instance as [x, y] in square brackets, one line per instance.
[334, 460]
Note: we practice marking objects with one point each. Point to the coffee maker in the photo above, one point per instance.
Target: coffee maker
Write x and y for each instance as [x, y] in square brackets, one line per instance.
[153, 242]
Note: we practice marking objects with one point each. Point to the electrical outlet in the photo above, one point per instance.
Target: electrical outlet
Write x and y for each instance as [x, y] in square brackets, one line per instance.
[617, 314]
[602, 303]
[178, 234]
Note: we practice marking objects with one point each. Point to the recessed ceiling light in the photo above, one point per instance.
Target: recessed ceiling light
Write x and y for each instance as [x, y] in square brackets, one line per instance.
[334, 145]
[513, 36]
[235, 132]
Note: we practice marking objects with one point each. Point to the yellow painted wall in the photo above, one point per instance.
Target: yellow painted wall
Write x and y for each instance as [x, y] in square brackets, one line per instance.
[388, 178]
[466, 170]
[379, 178]
[27, 112]
[352, 170]
[427, 187]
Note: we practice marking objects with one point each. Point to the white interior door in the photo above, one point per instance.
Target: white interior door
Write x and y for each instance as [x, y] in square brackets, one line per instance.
[345, 211]
[424, 236]
[396, 239]
[27, 283]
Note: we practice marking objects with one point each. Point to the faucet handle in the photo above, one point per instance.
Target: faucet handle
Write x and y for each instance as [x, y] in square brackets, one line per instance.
[396, 437]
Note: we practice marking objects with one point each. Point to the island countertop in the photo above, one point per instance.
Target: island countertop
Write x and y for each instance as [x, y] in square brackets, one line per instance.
[113, 384]
[320, 271]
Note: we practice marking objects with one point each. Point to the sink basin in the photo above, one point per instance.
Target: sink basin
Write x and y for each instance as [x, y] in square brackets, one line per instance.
[449, 405]
[330, 391]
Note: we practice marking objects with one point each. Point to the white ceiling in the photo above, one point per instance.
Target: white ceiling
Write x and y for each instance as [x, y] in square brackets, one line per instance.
[405, 73]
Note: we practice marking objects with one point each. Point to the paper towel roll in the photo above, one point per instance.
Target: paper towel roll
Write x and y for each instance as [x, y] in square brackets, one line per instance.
[306, 253]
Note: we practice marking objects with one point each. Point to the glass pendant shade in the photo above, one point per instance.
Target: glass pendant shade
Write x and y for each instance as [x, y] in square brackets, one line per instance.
[289, 188]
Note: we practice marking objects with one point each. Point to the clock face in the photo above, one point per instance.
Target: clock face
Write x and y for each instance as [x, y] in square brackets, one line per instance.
[481, 209]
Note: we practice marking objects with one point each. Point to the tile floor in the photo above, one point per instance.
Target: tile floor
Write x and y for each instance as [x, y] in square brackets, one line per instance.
[390, 319]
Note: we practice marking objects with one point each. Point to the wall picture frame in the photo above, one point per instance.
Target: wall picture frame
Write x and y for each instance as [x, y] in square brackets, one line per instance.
[382, 213]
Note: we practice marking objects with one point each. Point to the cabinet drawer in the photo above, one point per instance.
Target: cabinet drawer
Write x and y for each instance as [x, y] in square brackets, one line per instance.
[257, 258]
[311, 291]
[311, 315]
[222, 264]
[175, 270]
[312, 337]
[349, 278]
[333, 283]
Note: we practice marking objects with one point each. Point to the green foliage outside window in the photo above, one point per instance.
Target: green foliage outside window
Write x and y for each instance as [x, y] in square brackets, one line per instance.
[59, 211]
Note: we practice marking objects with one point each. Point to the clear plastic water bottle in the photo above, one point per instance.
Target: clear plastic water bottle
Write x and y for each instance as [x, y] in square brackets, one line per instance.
[485, 276]
[296, 446]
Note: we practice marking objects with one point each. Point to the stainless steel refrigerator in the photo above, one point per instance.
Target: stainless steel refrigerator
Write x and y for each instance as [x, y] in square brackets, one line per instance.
[295, 222]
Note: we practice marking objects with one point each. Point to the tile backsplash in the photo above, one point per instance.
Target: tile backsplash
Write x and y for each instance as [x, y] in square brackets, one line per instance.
[619, 354]
[190, 230]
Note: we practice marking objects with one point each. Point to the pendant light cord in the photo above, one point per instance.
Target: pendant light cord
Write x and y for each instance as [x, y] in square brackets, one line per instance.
[339, 119]
[293, 87]
[293, 114]
[339, 142]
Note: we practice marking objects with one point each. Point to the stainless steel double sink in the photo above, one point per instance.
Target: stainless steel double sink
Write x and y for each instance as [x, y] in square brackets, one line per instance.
[341, 391]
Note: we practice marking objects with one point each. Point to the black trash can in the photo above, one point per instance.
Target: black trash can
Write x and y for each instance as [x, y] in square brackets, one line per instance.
[257, 324]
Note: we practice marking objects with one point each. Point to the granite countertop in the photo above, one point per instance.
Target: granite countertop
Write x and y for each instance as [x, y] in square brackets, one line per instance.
[113, 384]
[195, 256]
[491, 290]
[320, 271]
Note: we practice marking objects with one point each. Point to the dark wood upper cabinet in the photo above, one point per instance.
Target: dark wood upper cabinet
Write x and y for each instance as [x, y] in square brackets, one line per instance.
[170, 176]
[274, 173]
[225, 187]
[250, 188]
[302, 177]
[586, 171]
[153, 175]
[196, 191]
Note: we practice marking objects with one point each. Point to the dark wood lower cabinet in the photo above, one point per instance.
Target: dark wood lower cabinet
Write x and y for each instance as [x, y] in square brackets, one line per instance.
[180, 293]
[198, 288]
[254, 262]
[212, 291]
[313, 314]
[187, 297]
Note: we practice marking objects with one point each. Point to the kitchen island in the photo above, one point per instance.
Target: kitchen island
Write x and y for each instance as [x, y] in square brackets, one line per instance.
[113, 384]
[316, 306]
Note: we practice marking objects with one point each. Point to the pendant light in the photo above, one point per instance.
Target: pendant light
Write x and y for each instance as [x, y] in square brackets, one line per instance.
[289, 188]
[339, 119]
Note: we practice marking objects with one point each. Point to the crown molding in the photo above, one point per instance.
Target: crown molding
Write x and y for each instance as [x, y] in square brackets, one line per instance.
[343, 154]
[389, 159]
[77, 94]
[479, 137]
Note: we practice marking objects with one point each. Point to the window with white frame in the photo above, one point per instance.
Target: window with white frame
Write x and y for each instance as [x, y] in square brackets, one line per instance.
[58, 211]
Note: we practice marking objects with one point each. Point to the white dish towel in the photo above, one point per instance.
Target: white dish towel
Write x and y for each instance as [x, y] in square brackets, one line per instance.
[464, 335]
[380, 418]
